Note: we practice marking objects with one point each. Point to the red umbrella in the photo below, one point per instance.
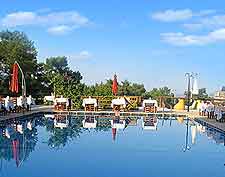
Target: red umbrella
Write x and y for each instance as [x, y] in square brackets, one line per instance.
[15, 145]
[115, 85]
[114, 133]
[14, 84]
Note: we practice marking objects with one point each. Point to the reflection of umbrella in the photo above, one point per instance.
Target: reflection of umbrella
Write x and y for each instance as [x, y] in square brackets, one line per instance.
[115, 85]
[15, 145]
[114, 133]
[193, 134]
[14, 80]
[127, 121]
[180, 120]
[195, 90]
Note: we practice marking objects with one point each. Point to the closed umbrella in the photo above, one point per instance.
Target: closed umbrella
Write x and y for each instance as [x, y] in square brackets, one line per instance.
[14, 84]
[114, 133]
[115, 86]
[15, 146]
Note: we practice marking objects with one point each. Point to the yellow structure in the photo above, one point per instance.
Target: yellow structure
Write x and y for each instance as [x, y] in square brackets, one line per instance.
[180, 105]
[198, 104]
[180, 120]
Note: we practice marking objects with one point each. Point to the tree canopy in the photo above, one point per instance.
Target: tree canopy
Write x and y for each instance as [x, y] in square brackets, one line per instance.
[55, 75]
[58, 63]
[15, 46]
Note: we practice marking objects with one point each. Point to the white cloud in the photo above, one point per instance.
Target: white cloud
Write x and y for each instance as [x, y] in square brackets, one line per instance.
[55, 21]
[173, 15]
[192, 26]
[19, 19]
[216, 21]
[180, 39]
[60, 30]
[83, 55]
[205, 12]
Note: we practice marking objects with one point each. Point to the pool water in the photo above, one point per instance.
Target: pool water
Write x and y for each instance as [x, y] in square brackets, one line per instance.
[62, 146]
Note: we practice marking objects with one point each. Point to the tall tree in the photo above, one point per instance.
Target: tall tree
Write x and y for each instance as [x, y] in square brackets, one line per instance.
[58, 63]
[202, 93]
[223, 89]
[15, 46]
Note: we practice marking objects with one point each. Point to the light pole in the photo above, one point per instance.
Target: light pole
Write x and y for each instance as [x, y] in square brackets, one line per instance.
[187, 147]
[23, 80]
[53, 72]
[189, 76]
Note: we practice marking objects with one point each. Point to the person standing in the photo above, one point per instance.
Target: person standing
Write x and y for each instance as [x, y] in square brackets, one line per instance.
[69, 104]
[7, 104]
[202, 109]
[19, 103]
[29, 103]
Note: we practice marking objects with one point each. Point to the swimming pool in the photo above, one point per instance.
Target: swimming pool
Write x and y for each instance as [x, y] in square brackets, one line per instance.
[60, 146]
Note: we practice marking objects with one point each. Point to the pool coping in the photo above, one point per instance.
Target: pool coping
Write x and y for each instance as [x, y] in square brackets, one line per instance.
[206, 122]
[105, 114]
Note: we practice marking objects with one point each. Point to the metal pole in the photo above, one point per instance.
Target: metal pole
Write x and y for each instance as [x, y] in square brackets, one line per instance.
[186, 137]
[23, 80]
[189, 75]
[189, 82]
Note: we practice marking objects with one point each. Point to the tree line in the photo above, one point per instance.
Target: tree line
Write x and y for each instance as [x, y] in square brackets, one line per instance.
[55, 75]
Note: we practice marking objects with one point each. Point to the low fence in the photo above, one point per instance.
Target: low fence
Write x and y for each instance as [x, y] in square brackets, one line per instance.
[104, 102]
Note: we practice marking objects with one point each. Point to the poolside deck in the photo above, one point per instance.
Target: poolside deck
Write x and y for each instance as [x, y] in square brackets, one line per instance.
[212, 123]
[161, 113]
[172, 113]
[35, 110]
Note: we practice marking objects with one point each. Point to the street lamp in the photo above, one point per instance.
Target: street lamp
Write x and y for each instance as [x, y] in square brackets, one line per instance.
[187, 147]
[189, 77]
[23, 80]
[53, 72]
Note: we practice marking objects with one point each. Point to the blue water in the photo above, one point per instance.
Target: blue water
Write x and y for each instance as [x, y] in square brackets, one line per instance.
[175, 148]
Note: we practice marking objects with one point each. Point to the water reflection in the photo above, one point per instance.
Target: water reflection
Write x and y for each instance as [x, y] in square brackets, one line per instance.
[89, 122]
[117, 124]
[62, 129]
[150, 123]
[18, 138]
[187, 147]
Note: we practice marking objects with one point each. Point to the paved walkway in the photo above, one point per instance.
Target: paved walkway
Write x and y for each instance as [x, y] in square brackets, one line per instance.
[38, 109]
[34, 110]
[191, 114]
[213, 123]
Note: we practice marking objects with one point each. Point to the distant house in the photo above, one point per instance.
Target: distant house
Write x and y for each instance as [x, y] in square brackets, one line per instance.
[219, 95]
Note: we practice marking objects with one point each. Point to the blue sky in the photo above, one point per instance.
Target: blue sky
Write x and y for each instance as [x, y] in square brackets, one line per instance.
[146, 41]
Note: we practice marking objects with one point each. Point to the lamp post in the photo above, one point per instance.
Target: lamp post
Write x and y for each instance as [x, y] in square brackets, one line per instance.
[53, 72]
[23, 80]
[189, 76]
[187, 147]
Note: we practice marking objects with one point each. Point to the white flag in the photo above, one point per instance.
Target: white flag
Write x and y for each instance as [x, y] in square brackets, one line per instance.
[195, 87]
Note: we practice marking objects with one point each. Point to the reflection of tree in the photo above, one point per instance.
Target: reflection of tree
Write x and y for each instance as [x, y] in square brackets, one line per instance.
[103, 125]
[26, 144]
[29, 142]
[5, 148]
[60, 137]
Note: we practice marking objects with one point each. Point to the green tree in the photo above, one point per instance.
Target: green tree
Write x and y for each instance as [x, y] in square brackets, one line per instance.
[58, 63]
[157, 92]
[64, 81]
[103, 89]
[131, 89]
[223, 89]
[202, 93]
[15, 46]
